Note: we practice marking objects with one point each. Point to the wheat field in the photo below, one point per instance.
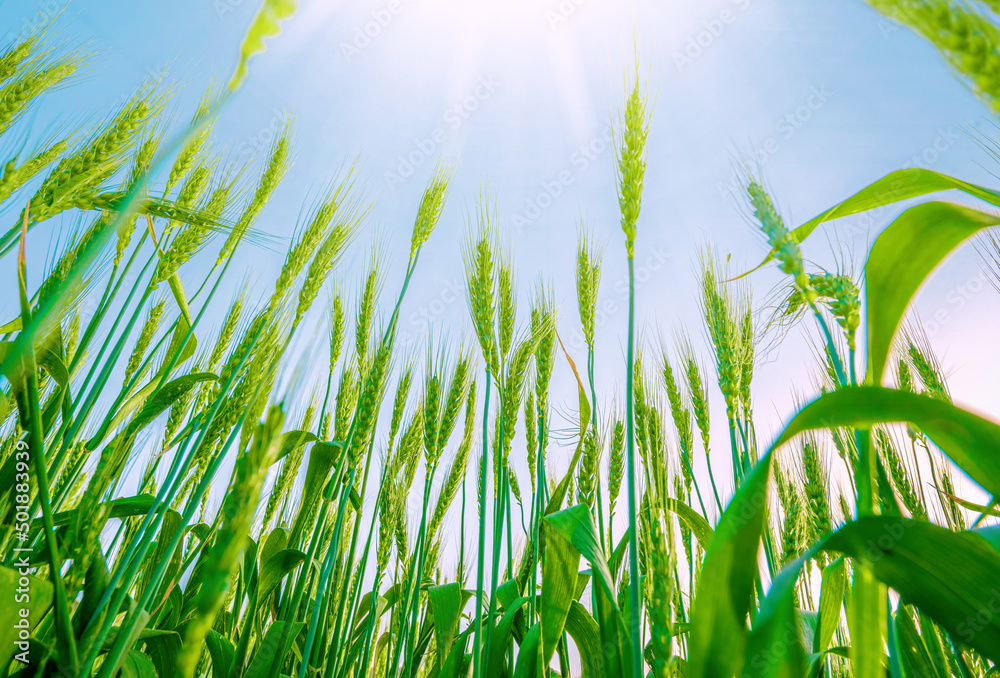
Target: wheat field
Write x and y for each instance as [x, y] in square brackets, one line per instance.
[178, 502]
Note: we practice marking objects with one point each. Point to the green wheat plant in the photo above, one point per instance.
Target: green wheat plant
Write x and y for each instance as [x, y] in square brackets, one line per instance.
[188, 494]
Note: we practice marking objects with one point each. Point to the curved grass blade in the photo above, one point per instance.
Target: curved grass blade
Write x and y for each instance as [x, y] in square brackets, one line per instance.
[274, 570]
[831, 599]
[901, 259]
[153, 402]
[950, 576]
[694, 521]
[502, 632]
[577, 526]
[725, 588]
[893, 187]
[527, 656]
[446, 602]
[774, 646]
[586, 635]
[909, 649]
[968, 439]
[559, 579]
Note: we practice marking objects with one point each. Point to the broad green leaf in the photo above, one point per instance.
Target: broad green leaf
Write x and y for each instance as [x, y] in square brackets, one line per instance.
[949, 576]
[172, 522]
[164, 398]
[115, 663]
[250, 572]
[586, 635]
[866, 620]
[991, 534]
[618, 555]
[969, 440]
[94, 587]
[577, 526]
[222, 652]
[153, 402]
[501, 638]
[901, 259]
[507, 593]
[52, 363]
[909, 648]
[424, 636]
[163, 648]
[271, 652]
[457, 663]
[560, 564]
[895, 187]
[892, 188]
[383, 604]
[725, 588]
[527, 655]
[266, 24]
[774, 646]
[807, 621]
[144, 635]
[124, 507]
[322, 459]
[138, 665]
[831, 599]
[275, 570]
[694, 521]
[276, 540]
[446, 602]
[201, 531]
[290, 440]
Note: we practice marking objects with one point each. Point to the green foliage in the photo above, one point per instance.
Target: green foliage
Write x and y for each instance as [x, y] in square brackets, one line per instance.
[350, 568]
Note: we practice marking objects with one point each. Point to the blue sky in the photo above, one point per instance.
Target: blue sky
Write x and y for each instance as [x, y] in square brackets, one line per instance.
[822, 98]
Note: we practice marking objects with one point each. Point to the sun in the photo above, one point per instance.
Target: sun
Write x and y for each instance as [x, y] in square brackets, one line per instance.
[547, 50]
